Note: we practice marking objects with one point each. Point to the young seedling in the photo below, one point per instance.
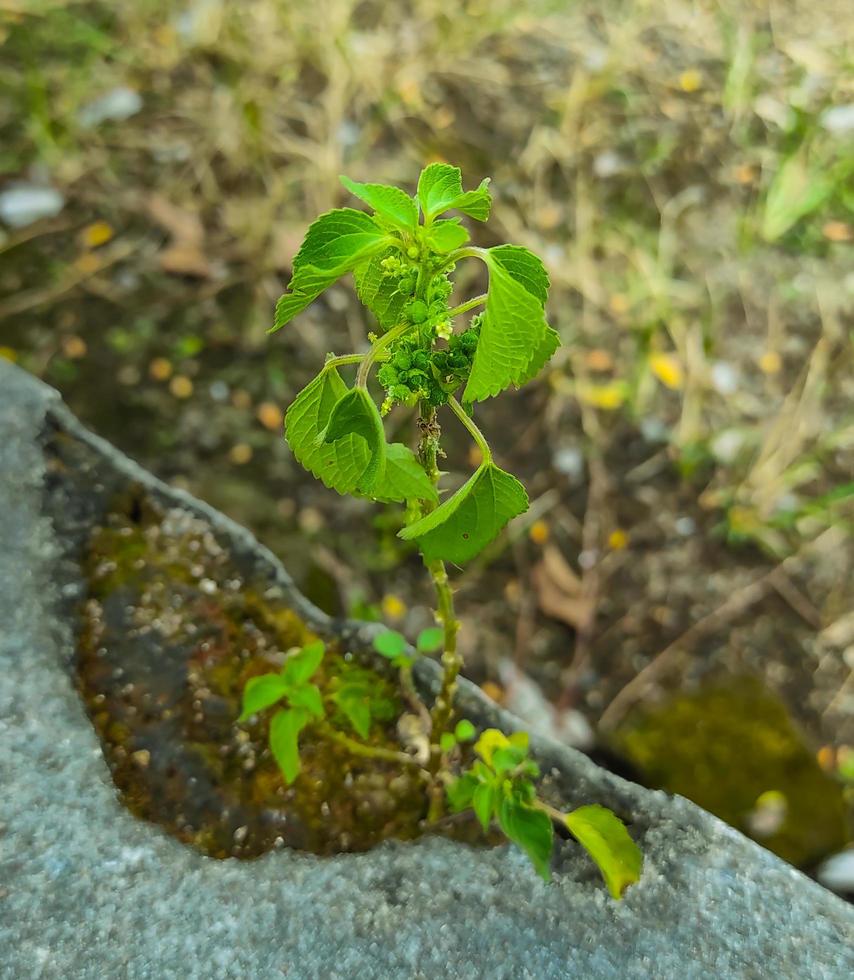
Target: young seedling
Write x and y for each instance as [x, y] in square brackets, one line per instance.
[402, 257]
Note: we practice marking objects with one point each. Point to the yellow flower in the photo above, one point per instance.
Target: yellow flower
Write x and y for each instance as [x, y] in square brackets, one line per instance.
[667, 369]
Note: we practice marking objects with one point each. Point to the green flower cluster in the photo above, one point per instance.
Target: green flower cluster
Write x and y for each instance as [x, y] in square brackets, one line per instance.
[418, 372]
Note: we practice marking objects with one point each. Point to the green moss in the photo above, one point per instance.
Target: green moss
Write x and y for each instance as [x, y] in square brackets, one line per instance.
[734, 750]
[173, 627]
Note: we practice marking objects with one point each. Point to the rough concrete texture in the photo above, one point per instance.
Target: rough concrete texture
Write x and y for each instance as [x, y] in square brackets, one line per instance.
[87, 891]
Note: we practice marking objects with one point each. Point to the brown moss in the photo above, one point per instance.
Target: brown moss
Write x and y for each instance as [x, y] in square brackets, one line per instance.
[171, 633]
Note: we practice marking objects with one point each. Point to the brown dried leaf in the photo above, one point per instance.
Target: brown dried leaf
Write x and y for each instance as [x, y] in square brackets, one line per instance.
[559, 591]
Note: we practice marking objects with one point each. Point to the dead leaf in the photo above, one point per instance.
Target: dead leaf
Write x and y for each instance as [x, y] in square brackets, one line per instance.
[560, 593]
[184, 255]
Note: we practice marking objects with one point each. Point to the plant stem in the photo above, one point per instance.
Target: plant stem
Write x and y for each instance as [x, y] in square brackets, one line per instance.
[333, 361]
[468, 305]
[373, 354]
[367, 751]
[473, 430]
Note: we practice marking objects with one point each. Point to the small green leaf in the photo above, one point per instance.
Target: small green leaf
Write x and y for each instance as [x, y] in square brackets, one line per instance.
[531, 829]
[606, 839]
[404, 477]
[446, 235]
[309, 698]
[334, 244]
[463, 525]
[391, 202]
[339, 464]
[262, 692]
[356, 414]
[354, 701]
[515, 341]
[285, 729]
[390, 644]
[796, 191]
[461, 792]
[465, 730]
[505, 759]
[447, 741]
[378, 292]
[440, 189]
[483, 803]
[430, 640]
[300, 666]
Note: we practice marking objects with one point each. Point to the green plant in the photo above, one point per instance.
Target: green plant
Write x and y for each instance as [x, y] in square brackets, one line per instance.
[402, 258]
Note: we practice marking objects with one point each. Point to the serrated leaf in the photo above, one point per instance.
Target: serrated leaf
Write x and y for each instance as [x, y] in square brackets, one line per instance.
[309, 698]
[262, 692]
[285, 729]
[390, 644]
[355, 414]
[531, 829]
[391, 202]
[300, 666]
[334, 244]
[515, 340]
[339, 464]
[404, 477]
[440, 188]
[483, 804]
[446, 235]
[463, 525]
[433, 638]
[605, 838]
[379, 293]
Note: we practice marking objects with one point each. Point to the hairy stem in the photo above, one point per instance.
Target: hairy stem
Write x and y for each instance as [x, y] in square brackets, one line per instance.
[468, 305]
[472, 429]
[376, 351]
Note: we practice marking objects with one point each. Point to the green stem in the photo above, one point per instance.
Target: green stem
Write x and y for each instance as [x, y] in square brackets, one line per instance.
[343, 359]
[367, 751]
[373, 354]
[468, 305]
[473, 430]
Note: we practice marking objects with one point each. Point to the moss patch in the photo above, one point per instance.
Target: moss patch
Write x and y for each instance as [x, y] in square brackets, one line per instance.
[171, 634]
[733, 749]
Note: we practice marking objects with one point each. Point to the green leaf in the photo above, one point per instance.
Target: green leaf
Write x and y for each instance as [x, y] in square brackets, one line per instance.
[334, 244]
[300, 666]
[483, 804]
[447, 741]
[355, 703]
[390, 644]
[465, 730]
[307, 697]
[404, 477]
[796, 191]
[355, 414]
[531, 829]
[463, 525]
[431, 639]
[440, 189]
[606, 839]
[262, 692]
[339, 464]
[461, 791]
[515, 340]
[380, 293]
[445, 236]
[391, 202]
[285, 729]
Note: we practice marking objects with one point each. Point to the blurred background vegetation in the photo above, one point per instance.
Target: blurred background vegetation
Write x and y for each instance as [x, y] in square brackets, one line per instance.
[678, 600]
